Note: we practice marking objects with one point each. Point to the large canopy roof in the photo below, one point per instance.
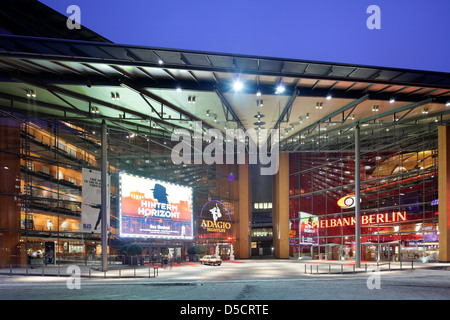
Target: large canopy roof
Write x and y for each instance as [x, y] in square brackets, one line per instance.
[157, 86]
[77, 77]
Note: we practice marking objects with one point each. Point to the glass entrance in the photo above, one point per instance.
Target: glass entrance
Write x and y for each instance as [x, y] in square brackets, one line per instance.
[389, 252]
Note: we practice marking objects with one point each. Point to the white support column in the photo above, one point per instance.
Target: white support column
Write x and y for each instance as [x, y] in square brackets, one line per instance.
[104, 195]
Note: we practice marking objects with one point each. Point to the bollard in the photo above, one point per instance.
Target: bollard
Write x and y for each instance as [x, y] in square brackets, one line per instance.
[412, 264]
[365, 267]
[389, 265]
[317, 269]
[120, 273]
[10, 269]
[401, 265]
[89, 273]
[59, 271]
[342, 268]
[305, 267]
[354, 267]
[135, 272]
[310, 271]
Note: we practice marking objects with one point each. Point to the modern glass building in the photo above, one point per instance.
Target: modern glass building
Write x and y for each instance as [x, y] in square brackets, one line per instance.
[75, 107]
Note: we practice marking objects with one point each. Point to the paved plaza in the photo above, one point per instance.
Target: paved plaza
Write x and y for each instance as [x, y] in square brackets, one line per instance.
[233, 280]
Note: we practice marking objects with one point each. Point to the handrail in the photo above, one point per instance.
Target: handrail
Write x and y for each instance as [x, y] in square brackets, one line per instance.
[86, 272]
[363, 269]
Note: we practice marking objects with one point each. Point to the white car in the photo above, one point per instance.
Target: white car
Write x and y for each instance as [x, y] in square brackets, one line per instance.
[211, 260]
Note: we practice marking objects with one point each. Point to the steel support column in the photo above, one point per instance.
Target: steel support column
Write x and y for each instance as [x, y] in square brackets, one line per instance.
[357, 199]
[104, 197]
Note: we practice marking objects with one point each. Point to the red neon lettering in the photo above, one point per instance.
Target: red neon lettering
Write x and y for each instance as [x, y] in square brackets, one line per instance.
[364, 220]
[367, 219]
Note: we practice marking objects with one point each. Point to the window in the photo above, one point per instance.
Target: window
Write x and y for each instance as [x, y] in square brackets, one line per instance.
[59, 175]
[262, 232]
[262, 205]
[72, 152]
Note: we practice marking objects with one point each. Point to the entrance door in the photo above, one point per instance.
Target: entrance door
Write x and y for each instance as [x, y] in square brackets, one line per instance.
[315, 250]
[369, 251]
[389, 252]
[319, 252]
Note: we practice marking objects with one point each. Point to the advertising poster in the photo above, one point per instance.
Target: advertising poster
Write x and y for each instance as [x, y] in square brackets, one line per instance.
[154, 209]
[215, 221]
[91, 201]
[309, 232]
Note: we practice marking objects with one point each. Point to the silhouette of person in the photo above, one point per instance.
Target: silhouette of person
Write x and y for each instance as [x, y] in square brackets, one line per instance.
[160, 194]
[99, 218]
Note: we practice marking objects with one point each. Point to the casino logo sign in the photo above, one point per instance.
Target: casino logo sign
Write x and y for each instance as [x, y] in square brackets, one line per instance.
[215, 218]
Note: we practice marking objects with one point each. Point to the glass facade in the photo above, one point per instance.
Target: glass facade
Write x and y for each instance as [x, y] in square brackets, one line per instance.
[399, 196]
[41, 190]
[57, 92]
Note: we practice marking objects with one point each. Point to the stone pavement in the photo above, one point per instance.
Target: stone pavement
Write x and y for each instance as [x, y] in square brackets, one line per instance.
[285, 268]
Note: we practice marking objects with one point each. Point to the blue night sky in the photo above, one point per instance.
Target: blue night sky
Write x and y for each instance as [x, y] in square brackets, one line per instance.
[414, 34]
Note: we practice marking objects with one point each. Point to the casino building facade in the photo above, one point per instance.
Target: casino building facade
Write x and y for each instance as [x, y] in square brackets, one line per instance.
[74, 106]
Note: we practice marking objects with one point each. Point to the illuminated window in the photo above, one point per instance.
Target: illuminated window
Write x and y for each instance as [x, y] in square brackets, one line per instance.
[262, 205]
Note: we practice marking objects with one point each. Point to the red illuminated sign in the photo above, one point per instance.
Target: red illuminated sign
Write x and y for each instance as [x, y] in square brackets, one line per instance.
[366, 219]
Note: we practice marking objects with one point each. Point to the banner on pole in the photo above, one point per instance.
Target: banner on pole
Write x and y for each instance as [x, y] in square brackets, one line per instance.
[91, 201]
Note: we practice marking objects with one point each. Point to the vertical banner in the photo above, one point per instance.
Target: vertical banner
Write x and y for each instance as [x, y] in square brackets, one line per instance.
[91, 201]
[308, 229]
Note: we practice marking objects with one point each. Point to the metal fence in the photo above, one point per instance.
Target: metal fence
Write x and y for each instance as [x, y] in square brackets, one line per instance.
[85, 272]
[330, 268]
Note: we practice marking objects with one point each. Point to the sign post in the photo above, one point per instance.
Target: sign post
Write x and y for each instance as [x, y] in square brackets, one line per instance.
[357, 199]
[104, 197]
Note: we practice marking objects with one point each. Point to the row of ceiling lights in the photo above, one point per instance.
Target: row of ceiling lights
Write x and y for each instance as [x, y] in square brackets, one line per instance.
[376, 108]
[239, 86]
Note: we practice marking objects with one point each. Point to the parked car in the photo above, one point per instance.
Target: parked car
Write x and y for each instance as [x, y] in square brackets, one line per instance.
[211, 260]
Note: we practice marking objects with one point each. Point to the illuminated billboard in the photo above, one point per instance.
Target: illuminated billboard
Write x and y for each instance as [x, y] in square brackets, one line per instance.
[156, 209]
[215, 221]
[308, 230]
